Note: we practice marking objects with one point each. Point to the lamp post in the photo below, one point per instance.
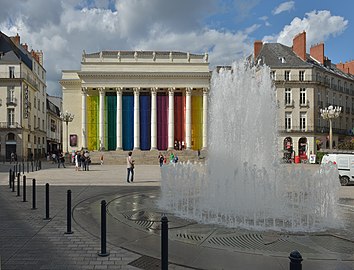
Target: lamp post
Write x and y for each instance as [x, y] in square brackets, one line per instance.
[329, 114]
[67, 117]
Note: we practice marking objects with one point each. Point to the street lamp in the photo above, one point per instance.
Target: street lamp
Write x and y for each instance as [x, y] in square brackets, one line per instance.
[329, 114]
[67, 117]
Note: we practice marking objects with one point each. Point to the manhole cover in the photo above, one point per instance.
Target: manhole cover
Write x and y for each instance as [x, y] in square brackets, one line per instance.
[146, 263]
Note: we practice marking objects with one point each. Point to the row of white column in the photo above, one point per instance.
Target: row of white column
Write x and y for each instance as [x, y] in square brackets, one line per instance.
[136, 90]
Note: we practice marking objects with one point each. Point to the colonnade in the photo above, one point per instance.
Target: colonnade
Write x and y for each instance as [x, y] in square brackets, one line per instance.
[136, 136]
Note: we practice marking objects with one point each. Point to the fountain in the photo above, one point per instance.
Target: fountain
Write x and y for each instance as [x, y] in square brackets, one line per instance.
[242, 184]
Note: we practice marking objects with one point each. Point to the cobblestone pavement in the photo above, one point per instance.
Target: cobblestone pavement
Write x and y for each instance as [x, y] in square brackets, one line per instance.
[27, 241]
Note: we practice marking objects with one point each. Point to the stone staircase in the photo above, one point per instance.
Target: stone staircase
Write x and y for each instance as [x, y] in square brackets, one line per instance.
[144, 157]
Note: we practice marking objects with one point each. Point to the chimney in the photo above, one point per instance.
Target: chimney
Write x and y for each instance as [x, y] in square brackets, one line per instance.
[40, 56]
[25, 46]
[347, 67]
[317, 52]
[299, 45]
[16, 39]
[258, 44]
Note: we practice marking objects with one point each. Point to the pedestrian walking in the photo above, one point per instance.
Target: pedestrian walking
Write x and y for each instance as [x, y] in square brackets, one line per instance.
[130, 167]
[101, 159]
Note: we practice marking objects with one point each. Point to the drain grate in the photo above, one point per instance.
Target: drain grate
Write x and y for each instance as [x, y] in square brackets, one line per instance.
[146, 263]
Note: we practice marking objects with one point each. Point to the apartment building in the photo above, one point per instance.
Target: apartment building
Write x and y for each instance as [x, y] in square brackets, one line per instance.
[22, 100]
[305, 83]
[54, 124]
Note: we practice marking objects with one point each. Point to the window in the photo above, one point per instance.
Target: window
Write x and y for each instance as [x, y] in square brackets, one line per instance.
[11, 72]
[11, 117]
[287, 120]
[319, 99]
[334, 99]
[302, 96]
[39, 105]
[43, 127]
[287, 96]
[340, 100]
[287, 75]
[272, 74]
[34, 121]
[302, 75]
[302, 121]
[35, 102]
[11, 93]
[43, 107]
[29, 138]
[52, 125]
[327, 97]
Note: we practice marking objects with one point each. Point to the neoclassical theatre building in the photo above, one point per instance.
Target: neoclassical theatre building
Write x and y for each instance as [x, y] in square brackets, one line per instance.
[125, 100]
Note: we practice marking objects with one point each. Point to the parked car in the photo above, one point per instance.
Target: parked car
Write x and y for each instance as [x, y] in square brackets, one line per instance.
[345, 165]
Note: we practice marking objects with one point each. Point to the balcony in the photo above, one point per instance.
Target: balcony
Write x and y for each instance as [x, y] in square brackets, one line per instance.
[304, 103]
[289, 103]
[11, 101]
[296, 129]
[17, 76]
[10, 125]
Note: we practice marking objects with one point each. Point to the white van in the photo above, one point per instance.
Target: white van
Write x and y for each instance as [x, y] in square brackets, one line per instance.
[345, 165]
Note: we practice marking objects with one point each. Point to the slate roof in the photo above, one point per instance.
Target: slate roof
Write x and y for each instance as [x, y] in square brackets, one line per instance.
[277, 55]
[12, 53]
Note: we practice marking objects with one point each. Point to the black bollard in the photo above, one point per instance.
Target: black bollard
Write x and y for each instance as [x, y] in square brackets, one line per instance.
[27, 167]
[103, 252]
[164, 243]
[10, 178]
[34, 194]
[24, 189]
[47, 202]
[68, 213]
[19, 167]
[295, 260]
[15, 170]
[18, 185]
[23, 167]
[13, 181]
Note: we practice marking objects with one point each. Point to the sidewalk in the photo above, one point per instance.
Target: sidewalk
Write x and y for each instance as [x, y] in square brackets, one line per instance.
[29, 242]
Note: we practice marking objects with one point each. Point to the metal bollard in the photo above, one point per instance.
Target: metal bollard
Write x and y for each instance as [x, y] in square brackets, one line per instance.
[13, 181]
[24, 189]
[10, 178]
[295, 260]
[47, 202]
[18, 185]
[23, 167]
[103, 252]
[15, 170]
[68, 213]
[164, 243]
[34, 194]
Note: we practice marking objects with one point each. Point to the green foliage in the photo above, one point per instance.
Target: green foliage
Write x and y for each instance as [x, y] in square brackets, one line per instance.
[319, 156]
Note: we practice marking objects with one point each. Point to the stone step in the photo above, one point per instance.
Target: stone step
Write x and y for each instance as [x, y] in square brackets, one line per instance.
[144, 157]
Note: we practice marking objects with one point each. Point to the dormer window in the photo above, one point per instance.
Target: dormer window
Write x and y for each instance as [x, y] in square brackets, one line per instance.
[282, 60]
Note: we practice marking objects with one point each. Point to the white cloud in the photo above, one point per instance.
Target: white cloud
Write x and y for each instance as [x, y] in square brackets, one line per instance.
[286, 6]
[90, 25]
[319, 26]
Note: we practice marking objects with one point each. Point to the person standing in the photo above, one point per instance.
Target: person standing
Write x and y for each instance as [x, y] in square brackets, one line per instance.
[161, 159]
[61, 160]
[130, 167]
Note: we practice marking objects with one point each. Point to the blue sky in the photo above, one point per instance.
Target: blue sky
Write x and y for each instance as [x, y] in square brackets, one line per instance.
[226, 29]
